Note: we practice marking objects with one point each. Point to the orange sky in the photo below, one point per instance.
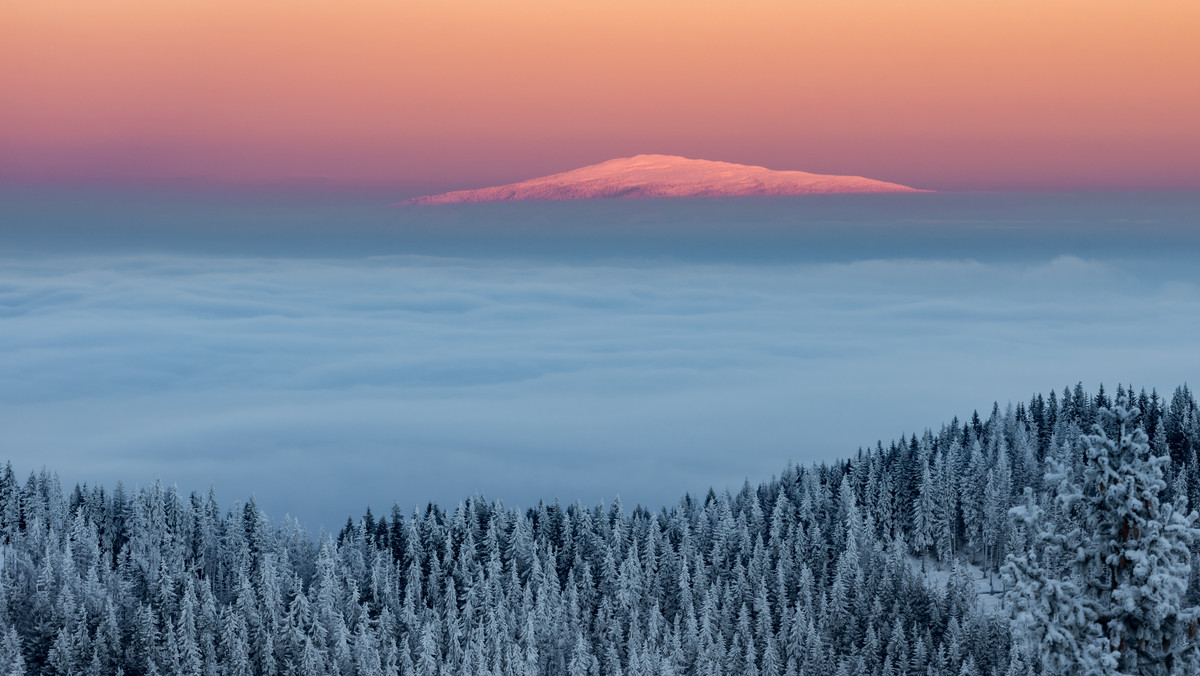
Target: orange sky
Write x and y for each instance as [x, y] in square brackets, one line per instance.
[456, 93]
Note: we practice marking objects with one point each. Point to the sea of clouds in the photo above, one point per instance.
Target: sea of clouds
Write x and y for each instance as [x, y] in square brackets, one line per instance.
[324, 385]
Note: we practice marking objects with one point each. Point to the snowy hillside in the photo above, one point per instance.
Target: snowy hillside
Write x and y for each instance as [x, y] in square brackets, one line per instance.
[818, 571]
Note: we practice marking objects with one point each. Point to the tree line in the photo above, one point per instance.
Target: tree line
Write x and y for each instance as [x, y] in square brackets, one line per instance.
[867, 565]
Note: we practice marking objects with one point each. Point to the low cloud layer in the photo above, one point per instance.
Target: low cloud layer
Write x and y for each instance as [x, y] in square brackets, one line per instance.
[326, 385]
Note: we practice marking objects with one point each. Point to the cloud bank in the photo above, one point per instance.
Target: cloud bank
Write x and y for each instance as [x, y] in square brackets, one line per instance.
[327, 385]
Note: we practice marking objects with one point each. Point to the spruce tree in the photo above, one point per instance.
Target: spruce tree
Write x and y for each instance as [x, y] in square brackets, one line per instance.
[1115, 604]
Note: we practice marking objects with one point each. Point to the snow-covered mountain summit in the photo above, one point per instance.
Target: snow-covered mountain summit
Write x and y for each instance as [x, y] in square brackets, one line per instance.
[655, 176]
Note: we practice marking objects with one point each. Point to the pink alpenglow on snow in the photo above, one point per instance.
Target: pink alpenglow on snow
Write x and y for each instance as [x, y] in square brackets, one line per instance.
[655, 176]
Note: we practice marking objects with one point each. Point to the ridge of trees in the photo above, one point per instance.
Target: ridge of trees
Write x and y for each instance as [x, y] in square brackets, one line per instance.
[866, 565]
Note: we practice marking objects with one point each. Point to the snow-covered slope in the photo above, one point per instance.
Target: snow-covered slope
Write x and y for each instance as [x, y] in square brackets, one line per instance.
[651, 176]
[986, 587]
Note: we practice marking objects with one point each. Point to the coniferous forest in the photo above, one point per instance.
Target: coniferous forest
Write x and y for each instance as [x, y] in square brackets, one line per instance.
[1052, 536]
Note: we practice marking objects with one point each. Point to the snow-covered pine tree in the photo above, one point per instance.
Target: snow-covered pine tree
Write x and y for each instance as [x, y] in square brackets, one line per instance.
[12, 662]
[1116, 606]
[924, 517]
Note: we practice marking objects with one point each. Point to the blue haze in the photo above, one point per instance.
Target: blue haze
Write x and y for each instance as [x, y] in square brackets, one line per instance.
[328, 352]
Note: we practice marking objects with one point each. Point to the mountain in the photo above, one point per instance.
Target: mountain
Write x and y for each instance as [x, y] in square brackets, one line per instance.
[654, 176]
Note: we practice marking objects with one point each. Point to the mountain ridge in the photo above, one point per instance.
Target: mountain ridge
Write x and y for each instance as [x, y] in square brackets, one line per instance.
[664, 176]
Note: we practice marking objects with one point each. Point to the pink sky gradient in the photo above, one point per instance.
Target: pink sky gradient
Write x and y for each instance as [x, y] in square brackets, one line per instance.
[989, 94]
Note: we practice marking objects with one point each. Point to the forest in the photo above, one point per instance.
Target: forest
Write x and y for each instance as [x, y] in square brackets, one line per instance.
[966, 550]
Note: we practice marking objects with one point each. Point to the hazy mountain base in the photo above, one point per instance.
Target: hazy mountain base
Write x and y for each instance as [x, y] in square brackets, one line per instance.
[816, 572]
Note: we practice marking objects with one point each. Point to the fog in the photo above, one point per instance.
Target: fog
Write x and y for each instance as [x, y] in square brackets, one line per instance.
[381, 359]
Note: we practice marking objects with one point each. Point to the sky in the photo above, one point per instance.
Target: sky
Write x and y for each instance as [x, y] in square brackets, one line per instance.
[418, 95]
[325, 357]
